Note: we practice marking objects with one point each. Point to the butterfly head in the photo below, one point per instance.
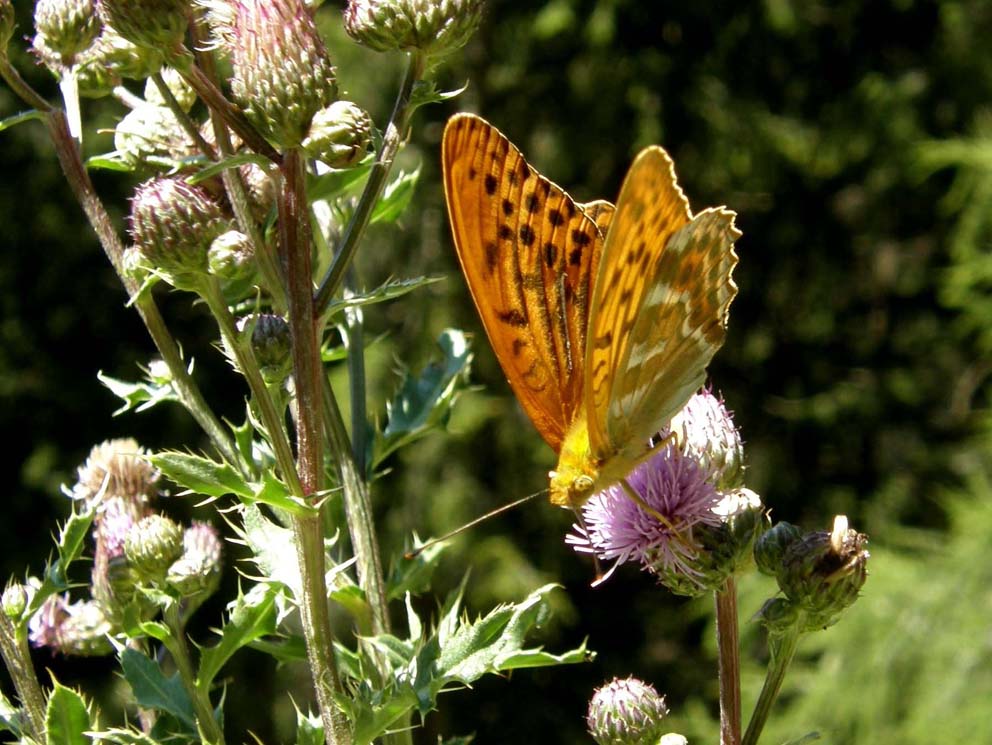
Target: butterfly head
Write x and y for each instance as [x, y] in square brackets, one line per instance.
[575, 478]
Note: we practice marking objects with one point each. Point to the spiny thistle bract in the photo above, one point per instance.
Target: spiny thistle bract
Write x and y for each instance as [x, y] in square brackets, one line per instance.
[157, 24]
[626, 712]
[340, 135]
[433, 26]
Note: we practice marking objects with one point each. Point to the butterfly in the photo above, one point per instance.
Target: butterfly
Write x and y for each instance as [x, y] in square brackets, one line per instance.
[603, 317]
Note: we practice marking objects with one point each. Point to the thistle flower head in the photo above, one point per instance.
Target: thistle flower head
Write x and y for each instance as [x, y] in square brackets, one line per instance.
[173, 224]
[197, 571]
[679, 497]
[158, 24]
[149, 131]
[79, 628]
[282, 73]
[705, 430]
[117, 468]
[231, 256]
[433, 26]
[626, 712]
[152, 545]
[65, 28]
[340, 135]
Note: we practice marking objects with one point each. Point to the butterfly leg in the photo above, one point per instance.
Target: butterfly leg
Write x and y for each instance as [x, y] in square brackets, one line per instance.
[632, 493]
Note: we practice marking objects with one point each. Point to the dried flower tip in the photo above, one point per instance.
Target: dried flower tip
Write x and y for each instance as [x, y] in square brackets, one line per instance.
[626, 712]
[158, 24]
[84, 631]
[15, 600]
[340, 135]
[173, 224]
[117, 468]
[231, 256]
[434, 26]
[65, 28]
[153, 545]
[822, 574]
[271, 343]
[184, 94]
[705, 430]
[197, 571]
[282, 73]
[8, 22]
[770, 548]
[148, 132]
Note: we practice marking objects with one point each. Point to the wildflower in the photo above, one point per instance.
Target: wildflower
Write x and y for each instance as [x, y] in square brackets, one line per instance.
[433, 26]
[152, 545]
[197, 571]
[78, 628]
[626, 712]
[117, 468]
[65, 28]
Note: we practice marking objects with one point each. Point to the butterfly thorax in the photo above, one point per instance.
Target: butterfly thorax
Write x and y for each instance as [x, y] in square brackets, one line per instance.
[573, 481]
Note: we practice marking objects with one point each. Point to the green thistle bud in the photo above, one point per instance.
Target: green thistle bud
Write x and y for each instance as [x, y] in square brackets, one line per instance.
[340, 135]
[158, 24]
[779, 616]
[84, 631]
[173, 224]
[197, 571]
[433, 26]
[65, 28]
[177, 85]
[282, 74]
[270, 341]
[721, 550]
[151, 132]
[230, 256]
[822, 573]
[8, 22]
[769, 550]
[152, 545]
[626, 712]
[111, 57]
[15, 600]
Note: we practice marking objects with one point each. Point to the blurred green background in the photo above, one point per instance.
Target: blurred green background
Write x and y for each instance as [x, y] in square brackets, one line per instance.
[855, 142]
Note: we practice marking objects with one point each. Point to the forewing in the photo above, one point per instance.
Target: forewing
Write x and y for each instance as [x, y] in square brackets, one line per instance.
[680, 324]
[528, 253]
[650, 210]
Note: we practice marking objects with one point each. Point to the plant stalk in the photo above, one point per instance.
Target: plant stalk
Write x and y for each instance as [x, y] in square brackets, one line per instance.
[783, 650]
[17, 659]
[209, 730]
[728, 644]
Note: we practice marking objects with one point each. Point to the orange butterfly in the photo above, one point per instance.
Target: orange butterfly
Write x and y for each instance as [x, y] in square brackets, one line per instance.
[604, 318]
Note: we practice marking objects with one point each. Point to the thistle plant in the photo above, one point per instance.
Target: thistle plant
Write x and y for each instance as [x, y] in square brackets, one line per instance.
[253, 191]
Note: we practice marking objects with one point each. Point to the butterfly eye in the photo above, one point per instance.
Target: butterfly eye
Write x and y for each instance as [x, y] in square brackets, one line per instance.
[583, 484]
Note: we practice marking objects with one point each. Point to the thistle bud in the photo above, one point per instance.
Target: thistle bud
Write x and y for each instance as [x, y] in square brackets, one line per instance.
[65, 28]
[340, 135]
[158, 24]
[230, 256]
[705, 430]
[151, 132]
[111, 57]
[769, 550]
[822, 573]
[433, 26]
[15, 600]
[626, 712]
[282, 74]
[261, 190]
[153, 545]
[173, 224]
[197, 571]
[270, 341]
[185, 96]
[8, 22]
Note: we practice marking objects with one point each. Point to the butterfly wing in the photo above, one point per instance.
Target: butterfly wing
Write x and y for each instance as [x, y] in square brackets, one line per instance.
[659, 310]
[528, 252]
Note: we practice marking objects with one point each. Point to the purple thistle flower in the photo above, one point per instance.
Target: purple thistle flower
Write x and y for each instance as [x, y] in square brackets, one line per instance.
[673, 485]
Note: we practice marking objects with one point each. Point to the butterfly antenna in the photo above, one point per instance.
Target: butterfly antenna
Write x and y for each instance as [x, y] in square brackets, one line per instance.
[471, 524]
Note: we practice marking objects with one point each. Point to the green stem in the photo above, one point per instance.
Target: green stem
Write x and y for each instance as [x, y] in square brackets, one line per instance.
[783, 649]
[391, 141]
[356, 388]
[21, 87]
[728, 643]
[79, 181]
[209, 729]
[17, 658]
[308, 372]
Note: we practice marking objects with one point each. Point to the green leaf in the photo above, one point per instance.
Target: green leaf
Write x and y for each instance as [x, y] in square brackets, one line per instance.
[71, 542]
[395, 197]
[426, 92]
[138, 396]
[272, 547]
[352, 599]
[24, 116]
[235, 161]
[424, 403]
[154, 691]
[389, 290]
[809, 737]
[250, 617]
[66, 718]
[309, 729]
[340, 352]
[114, 161]
[413, 575]
[126, 737]
[10, 716]
[334, 182]
[275, 493]
[201, 475]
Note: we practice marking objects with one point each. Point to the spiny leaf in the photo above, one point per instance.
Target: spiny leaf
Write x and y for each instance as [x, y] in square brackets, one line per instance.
[66, 718]
[201, 475]
[250, 617]
[333, 182]
[395, 197]
[154, 691]
[235, 161]
[138, 396]
[389, 290]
